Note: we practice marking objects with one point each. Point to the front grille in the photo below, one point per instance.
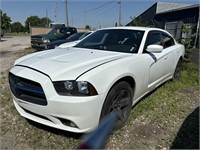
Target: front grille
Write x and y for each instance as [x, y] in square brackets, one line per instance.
[27, 90]
[34, 39]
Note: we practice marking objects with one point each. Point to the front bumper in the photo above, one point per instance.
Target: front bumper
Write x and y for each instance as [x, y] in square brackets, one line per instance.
[70, 113]
[39, 45]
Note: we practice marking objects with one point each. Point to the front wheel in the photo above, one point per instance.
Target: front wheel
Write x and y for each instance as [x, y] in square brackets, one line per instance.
[118, 100]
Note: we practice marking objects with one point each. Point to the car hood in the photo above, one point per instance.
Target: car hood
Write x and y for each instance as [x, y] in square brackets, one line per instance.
[62, 64]
[51, 37]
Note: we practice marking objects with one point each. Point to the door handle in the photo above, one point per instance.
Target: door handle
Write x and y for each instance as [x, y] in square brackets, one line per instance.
[166, 58]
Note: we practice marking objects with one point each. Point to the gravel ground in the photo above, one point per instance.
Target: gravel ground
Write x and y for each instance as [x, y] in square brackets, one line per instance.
[9, 46]
[15, 43]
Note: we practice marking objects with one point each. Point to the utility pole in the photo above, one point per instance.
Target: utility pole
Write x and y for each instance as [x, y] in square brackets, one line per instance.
[67, 19]
[55, 12]
[85, 18]
[120, 11]
[72, 23]
[47, 18]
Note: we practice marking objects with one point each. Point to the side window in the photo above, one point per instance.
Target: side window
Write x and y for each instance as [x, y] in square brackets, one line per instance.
[155, 39]
[167, 40]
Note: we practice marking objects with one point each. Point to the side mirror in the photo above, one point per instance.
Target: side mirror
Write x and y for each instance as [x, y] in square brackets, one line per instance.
[155, 48]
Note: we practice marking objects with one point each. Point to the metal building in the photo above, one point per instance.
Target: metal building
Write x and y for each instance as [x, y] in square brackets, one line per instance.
[171, 17]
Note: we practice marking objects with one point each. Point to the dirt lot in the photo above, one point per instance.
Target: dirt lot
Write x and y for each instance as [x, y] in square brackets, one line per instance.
[167, 118]
[9, 46]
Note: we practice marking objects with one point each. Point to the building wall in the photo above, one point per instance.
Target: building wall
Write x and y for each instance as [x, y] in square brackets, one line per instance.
[170, 15]
[165, 6]
[39, 30]
[42, 30]
[190, 15]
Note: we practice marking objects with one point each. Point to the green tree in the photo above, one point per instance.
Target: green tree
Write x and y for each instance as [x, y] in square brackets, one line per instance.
[5, 21]
[45, 21]
[188, 39]
[32, 21]
[138, 22]
[36, 21]
[17, 27]
[87, 27]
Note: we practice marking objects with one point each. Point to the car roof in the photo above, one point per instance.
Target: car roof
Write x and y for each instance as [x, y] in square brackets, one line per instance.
[134, 28]
[146, 29]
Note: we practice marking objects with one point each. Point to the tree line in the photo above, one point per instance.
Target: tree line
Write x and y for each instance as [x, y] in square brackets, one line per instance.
[17, 27]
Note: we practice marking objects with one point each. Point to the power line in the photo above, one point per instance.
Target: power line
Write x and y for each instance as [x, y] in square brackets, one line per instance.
[99, 7]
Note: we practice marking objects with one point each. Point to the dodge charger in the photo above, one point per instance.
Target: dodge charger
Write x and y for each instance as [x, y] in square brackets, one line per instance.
[73, 89]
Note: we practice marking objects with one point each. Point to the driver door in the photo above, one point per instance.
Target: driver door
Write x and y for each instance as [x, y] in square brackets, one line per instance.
[157, 60]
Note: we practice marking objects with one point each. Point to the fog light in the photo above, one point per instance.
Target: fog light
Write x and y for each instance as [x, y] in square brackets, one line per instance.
[68, 123]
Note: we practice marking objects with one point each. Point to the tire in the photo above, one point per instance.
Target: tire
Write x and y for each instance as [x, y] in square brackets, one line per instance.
[119, 100]
[177, 71]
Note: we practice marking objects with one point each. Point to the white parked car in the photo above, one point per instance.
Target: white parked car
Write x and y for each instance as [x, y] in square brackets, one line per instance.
[73, 43]
[73, 89]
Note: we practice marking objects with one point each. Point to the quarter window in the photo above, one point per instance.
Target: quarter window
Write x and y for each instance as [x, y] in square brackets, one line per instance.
[167, 40]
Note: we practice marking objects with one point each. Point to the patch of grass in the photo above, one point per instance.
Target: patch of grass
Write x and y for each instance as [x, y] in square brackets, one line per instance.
[165, 109]
[167, 93]
[190, 75]
[17, 34]
[169, 105]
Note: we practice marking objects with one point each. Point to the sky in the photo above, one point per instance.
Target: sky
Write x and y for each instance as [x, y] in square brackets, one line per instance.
[96, 13]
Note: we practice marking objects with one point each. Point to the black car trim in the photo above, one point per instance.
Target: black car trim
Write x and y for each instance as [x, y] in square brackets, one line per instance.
[98, 66]
[36, 70]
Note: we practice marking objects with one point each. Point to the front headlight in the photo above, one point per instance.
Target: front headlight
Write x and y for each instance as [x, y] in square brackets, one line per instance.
[74, 88]
[46, 41]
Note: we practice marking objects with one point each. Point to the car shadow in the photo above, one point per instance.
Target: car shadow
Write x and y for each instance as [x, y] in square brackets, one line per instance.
[55, 131]
[188, 134]
[2, 40]
[194, 56]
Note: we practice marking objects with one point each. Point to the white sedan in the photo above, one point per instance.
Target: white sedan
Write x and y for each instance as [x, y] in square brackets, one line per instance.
[73, 89]
[73, 43]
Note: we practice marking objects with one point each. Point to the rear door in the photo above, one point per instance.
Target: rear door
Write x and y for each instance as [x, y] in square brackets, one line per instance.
[170, 54]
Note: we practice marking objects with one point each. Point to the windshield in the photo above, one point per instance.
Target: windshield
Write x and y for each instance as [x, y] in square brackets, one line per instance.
[57, 30]
[117, 40]
[84, 35]
[75, 37]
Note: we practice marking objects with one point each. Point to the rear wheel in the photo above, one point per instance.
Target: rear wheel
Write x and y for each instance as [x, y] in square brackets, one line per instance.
[118, 100]
[177, 71]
